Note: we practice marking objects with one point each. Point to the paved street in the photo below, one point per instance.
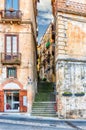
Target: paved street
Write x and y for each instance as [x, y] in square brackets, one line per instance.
[5, 126]
[31, 123]
[13, 126]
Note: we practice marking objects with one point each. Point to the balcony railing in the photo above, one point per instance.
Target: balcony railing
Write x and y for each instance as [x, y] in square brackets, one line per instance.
[13, 15]
[10, 59]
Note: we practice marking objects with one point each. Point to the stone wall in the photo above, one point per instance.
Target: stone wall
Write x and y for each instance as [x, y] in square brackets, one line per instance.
[71, 36]
[71, 77]
[69, 6]
[71, 64]
[73, 107]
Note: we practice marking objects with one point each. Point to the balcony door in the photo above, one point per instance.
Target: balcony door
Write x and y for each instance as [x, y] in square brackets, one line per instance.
[14, 4]
[12, 9]
[11, 46]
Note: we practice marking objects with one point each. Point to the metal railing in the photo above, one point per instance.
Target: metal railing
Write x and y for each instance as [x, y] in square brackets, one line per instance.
[11, 14]
[8, 58]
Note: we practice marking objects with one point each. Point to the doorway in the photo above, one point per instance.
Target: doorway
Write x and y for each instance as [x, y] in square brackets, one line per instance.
[11, 101]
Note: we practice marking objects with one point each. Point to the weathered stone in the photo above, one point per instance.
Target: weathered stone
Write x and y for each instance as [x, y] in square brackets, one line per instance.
[70, 19]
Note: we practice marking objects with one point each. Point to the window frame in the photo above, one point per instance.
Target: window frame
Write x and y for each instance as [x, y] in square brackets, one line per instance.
[12, 4]
[5, 46]
[15, 76]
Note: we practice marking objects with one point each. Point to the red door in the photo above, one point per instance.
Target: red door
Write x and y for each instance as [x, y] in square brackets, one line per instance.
[23, 100]
[1, 101]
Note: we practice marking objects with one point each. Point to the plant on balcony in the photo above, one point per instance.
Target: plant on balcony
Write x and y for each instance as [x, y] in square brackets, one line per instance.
[67, 94]
[44, 79]
[48, 44]
[11, 9]
[79, 94]
[17, 60]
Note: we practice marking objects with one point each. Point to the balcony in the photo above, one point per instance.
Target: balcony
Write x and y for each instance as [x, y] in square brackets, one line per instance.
[11, 15]
[8, 59]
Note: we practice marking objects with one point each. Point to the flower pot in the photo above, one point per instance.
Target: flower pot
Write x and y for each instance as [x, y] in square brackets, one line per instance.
[11, 9]
[67, 94]
[79, 94]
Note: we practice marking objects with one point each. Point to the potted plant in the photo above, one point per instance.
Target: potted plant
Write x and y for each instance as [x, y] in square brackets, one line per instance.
[67, 93]
[44, 79]
[79, 94]
[16, 60]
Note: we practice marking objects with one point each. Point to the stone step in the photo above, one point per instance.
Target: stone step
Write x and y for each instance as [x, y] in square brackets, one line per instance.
[43, 109]
[47, 112]
[46, 103]
[45, 115]
[37, 105]
[49, 102]
[43, 104]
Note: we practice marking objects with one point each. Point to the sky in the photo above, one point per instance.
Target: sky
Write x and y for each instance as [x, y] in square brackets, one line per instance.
[44, 17]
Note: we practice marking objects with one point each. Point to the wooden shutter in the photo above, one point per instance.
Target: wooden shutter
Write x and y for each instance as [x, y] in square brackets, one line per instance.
[14, 45]
[23, 100]
[8, 44]
[1, 101]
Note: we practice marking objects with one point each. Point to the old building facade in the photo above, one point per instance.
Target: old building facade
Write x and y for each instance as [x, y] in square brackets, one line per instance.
[46, 55]
[18, 55]
[70, 57]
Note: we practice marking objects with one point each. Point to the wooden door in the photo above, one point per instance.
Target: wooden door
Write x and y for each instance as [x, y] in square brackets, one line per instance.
[1, 101]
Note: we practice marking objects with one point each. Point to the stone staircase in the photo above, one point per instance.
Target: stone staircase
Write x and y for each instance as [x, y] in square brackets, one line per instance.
[44, 109]
[44, 104]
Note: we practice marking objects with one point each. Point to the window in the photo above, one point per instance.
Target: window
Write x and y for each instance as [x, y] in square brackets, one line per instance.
[11, 100]
[11, 72]
[12, 4]
[11, 44]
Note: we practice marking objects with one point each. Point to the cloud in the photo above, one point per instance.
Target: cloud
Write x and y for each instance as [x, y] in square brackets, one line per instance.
[45, 13]
[44, 16]
[44, 5]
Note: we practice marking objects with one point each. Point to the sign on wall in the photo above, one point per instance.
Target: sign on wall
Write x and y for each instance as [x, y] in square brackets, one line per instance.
[24, 100]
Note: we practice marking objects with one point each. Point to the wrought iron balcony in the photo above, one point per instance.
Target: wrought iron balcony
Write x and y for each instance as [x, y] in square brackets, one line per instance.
[10, 59]
[11, 15]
